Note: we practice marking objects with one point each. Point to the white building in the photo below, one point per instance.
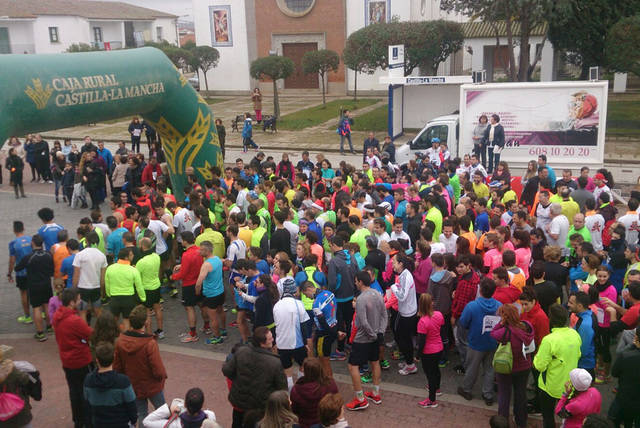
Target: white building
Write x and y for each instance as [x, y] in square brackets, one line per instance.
[256, 28]
[51, 26]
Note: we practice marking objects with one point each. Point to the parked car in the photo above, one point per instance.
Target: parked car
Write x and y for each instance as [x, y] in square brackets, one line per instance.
[195, 82]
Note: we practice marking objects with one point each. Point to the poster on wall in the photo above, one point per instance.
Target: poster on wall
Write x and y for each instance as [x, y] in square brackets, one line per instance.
[563, 122]
[377, 11]
[221, 25]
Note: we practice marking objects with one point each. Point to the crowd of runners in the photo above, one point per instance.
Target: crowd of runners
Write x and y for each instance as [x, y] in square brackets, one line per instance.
[534, 294]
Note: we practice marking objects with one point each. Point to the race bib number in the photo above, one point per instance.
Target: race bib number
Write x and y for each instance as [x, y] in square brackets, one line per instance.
[489, 322]
[528, 349]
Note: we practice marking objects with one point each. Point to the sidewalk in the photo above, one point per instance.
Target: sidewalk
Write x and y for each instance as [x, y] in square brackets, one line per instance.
[192, 367]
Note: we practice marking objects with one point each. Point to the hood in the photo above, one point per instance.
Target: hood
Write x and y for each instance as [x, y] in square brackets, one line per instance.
[131, 342]
[488, 305]
[526, 335]
[6, 367]
[442, 276]
[63, 313]
[309, 391]
[106, 380]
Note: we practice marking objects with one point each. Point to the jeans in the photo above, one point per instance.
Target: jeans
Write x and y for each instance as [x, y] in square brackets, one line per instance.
[517, 381]
[432, 371]
[143, 408]
[80, 410]
[58, 185]
[348, 137]
[494, 160]
[406, 330]
[476, 359]
[248, 142]
[344, 318]
[461, 342]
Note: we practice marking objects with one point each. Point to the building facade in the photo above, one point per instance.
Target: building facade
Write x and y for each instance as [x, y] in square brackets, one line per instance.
[36, 26]
[244, 30]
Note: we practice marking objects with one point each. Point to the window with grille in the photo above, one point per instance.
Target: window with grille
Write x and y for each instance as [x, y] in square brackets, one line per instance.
[296, 8]
[53, 35]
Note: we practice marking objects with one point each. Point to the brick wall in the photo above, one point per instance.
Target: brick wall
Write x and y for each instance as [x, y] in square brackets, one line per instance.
[327, 17]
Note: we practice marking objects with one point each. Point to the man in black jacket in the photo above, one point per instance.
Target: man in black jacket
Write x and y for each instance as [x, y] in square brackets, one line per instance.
[255, 372]
[494, 141]
[39, 265]
[624, 408]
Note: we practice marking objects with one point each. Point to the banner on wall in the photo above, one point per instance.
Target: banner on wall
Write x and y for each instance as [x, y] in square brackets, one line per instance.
[564, 121]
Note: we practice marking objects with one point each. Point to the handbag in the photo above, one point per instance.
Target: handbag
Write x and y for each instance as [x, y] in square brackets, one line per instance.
[10, 404]
[503, 357]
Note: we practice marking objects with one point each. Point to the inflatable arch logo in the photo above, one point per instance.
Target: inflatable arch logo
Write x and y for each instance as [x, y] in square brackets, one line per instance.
[45, 92]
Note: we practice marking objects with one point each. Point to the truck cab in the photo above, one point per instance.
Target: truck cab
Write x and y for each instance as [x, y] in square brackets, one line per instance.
[446, 128]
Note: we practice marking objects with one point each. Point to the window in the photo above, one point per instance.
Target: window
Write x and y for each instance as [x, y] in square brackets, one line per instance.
[159, 35]
[423, 142]
[53, 35]
[296, 8]
[97, 34]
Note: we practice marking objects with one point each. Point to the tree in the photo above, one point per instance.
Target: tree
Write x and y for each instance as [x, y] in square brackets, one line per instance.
[321, 62]
[426, 44]
[622, 45]
[355, 58]
[204, 58]
[82, 47]
[274, 68]
[527, 14]
[580, 28]
[179, 57]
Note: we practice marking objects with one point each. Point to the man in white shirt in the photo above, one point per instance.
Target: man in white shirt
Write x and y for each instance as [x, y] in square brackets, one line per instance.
[543, 212]
[558, 228]
[236, 250]
[89, 266]
[433, 152]
[594, 222]
[631, 222]
[476, 166]
[289, 316]
[182, 220]
[398, 233]
[380, 231]
[599, 180]
[241, 200]
[162, 230]
[447, 237]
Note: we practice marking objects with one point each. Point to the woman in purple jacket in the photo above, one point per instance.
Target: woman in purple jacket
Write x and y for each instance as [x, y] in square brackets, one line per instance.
[520, 334]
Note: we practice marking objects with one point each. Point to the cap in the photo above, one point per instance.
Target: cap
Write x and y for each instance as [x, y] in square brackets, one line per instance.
[435, 140]
[253, 194]
[633, 248]
[318, 204]
[288, 287]
[580, 379]
[307, 203]
[386, 205]
[599, 176]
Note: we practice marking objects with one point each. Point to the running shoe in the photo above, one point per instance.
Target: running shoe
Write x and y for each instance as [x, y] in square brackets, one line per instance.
[234, 311]
[402, 365]
[49, 329]
[366, 378]
[187, 338]
[337, 356]
[223, 332]
[428, 404]
[25, 320]
[384, 365]
[357, 404]
[408, 369]
[40, 337]
[214, 340]
[442, 364]
[173, 292]
[396, 355]
[206, 331]
[377, 399]
[233, 324]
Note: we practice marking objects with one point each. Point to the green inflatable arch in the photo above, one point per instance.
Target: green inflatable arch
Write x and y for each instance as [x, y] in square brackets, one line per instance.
[44, 92]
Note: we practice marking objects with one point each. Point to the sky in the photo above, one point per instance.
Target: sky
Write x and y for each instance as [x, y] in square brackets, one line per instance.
[176, 7]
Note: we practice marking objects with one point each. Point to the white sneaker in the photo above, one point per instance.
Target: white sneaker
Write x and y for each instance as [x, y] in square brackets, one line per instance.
[402, 365]
[409, 369]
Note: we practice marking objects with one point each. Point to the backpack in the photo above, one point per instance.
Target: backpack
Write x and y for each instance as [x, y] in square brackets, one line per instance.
[503, 358]
[10, 404]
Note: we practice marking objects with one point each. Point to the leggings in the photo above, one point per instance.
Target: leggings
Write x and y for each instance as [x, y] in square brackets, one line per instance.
[406, 330]
[344, 318]
[602, 344]
[432, 371]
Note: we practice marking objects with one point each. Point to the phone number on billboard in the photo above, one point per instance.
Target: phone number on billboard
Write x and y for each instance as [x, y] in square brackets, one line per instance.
[560, 151]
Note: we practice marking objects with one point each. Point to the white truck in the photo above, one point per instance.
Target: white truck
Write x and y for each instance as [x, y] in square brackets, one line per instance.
[564, 120]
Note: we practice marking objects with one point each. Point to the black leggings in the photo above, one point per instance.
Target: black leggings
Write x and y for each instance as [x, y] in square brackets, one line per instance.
[406, 331]
[602, 342]
[432, 371]
[344, 318]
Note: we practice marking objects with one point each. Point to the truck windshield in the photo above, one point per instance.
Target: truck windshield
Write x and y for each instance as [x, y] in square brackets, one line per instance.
[423, 142]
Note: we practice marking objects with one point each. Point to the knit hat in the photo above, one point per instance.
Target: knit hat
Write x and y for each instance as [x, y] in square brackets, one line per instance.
[599, 176]
[386, 205]
[580, 379]
[289, 287]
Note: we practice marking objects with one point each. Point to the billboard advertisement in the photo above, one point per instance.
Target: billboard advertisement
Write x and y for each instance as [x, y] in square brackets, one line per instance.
[564, 120]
